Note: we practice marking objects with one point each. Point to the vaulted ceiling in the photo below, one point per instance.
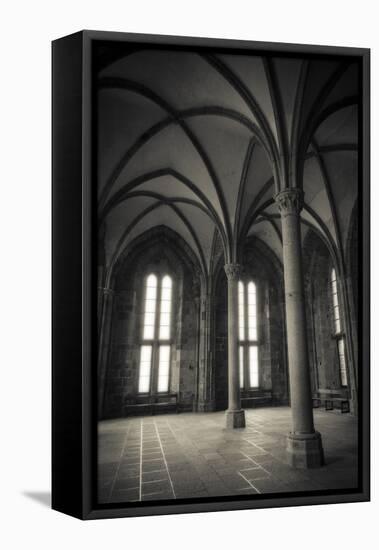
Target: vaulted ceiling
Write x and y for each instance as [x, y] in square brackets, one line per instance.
[201, 143]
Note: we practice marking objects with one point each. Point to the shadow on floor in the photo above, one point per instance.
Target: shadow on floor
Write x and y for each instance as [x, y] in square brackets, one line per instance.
[42, 497]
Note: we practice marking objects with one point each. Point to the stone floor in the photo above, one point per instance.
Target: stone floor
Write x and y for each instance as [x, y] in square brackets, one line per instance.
[193, 455]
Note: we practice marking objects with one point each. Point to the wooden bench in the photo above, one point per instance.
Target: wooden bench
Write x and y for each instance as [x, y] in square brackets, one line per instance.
[255, 398]
[331, 399]
[152, 405]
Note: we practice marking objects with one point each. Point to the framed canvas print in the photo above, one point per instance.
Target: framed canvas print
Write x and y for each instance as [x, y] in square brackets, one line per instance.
[210, 274]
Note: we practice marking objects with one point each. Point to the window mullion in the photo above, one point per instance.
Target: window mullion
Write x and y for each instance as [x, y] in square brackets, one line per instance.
[156, 334]
[246, 344]
[246, 382]
[152, 371]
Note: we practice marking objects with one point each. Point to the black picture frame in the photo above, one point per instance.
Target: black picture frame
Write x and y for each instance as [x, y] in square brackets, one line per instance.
[74, 288]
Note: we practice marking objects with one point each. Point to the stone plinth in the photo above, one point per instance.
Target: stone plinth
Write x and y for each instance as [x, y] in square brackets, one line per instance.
[235, 419]
[305, 450]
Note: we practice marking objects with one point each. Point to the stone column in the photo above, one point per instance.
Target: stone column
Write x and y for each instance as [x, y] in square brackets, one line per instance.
[235, 416]
[104, 343]
[197, 302]
[304, 446]
[206, 401]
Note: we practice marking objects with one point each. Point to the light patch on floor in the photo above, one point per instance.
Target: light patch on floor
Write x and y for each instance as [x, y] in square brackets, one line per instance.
[193, 455]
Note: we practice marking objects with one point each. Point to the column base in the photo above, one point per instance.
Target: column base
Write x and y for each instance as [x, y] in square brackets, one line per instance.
[235, 419]
[305, 450]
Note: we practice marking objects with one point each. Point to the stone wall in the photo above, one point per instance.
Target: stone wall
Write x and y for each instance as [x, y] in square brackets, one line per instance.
[199, 371]
[264, 269]
[322, 345]
[121, 384]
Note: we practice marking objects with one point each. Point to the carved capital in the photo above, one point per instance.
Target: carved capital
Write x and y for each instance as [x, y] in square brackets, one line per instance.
[290, 201]
[107, 291]
[233, 271]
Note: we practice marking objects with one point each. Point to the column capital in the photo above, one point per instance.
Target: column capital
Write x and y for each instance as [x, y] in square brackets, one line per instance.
[233, 271]
[106, 291]
[290, 201]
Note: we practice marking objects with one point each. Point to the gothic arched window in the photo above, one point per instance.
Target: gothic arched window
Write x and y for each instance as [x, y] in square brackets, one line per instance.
[155, 350]
[248, 335]
[337, 329]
